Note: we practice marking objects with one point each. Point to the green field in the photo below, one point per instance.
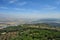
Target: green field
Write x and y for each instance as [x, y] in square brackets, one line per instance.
[28, 33]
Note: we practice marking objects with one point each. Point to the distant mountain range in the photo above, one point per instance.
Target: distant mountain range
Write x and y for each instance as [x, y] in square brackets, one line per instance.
[47, 20]
[50, 21]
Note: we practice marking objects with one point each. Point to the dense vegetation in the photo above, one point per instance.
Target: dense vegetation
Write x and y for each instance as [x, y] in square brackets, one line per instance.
[25, 32]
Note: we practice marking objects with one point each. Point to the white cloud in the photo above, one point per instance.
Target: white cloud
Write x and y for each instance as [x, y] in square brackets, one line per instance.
[22, 3]
[12, 1]
[4, 7]
[18, 9]
[13, 8]
[49, 7]
[17, 2]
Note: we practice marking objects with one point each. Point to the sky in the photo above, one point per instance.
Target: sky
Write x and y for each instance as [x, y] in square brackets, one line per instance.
[30, 8]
